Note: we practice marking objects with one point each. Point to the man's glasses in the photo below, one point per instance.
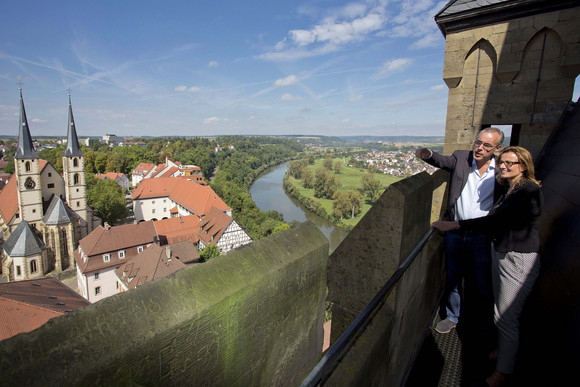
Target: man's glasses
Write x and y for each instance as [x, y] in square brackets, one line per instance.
[486, 146]
[508, 164]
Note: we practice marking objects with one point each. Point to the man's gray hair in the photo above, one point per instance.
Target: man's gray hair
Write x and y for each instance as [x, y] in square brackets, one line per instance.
[493, 130]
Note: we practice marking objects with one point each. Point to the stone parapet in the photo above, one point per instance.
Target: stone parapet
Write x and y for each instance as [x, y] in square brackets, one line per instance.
[364, 262]
[251, 317]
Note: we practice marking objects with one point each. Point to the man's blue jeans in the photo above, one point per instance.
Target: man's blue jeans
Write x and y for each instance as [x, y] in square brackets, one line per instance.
[468, 254]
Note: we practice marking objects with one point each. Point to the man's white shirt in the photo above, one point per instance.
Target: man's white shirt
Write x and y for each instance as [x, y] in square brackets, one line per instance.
[476, 199]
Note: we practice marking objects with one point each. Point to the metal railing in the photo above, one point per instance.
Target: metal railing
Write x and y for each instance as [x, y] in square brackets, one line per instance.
[336, 353]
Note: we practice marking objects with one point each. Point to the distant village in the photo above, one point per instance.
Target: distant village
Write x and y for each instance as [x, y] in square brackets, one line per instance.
[396, 163]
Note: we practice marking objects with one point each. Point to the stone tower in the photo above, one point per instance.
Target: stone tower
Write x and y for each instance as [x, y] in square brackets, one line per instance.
[73, 169]
[27, 168]
[508, 63]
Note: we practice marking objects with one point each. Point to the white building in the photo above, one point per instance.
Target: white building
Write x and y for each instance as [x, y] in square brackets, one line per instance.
[165, 197]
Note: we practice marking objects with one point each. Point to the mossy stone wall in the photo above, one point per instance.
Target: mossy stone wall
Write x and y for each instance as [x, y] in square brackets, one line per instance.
[362, 264]
[252, 317]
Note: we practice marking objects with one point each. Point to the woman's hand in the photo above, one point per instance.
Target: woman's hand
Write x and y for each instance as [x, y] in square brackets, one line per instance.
[443, 225]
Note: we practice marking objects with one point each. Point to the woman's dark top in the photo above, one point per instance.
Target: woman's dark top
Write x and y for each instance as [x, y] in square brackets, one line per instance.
[513, 220]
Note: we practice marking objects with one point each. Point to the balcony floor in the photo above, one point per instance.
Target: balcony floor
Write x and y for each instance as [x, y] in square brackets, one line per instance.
[460, 358]
[450, 360]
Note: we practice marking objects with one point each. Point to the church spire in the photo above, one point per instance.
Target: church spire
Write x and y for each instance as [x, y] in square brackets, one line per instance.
[25, 148]
[72, 142]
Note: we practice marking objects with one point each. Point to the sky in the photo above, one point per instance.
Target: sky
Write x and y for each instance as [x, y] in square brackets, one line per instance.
[206, 68]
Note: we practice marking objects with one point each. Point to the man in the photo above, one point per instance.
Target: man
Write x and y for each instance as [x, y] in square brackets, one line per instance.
[472, 192]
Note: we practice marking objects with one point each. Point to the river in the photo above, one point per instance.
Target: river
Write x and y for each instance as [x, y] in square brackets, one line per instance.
[268, 194]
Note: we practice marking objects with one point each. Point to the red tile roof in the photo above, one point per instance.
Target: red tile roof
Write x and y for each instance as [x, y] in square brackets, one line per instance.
[195, 197]
[214, 225]
[153, 263]
[168, 172]
[26, 305]
[9, 200]
[158, 169]
[109, 175]
[18, 317]
[184, 228]
[101, 241]
[143, 168]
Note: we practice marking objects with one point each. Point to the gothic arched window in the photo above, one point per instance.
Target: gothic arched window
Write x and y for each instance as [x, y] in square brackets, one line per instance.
[27, 166]
[33, 267]
[76, 178]
[75, 162]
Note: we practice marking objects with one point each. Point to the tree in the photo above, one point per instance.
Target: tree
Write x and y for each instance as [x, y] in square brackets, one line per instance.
[107, 199]
[341, 205]
[347, 204]
[325, 184]
[332, 185]
[327, 163]
[295, 169]
[209, 252]
[337, 166]
[371, 186]
[356, 202]
[90, 157]
[9, 168]
[307, 178]
[101, 162]
[320, 182]
[372, 168]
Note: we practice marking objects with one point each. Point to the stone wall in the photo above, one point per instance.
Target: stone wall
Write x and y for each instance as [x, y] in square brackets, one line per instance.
[492, 72]
[550, 323]
[252, 317]
[363, 263]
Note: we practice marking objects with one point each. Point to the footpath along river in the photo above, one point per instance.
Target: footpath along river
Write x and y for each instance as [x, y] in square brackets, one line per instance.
[268, 194]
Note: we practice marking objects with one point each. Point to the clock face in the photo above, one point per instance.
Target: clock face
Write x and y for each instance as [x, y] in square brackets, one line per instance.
[29, 183]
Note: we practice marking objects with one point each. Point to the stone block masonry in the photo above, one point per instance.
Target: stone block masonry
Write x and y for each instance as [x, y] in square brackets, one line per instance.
[252, 317]
[519, 72]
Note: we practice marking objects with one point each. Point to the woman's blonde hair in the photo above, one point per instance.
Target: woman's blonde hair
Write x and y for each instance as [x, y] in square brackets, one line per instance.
[525, 159]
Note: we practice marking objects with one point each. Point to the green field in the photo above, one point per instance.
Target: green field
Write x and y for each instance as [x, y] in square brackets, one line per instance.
[350, 179]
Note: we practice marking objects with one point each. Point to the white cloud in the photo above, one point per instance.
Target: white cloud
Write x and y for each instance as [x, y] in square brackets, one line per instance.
[213, 63]
[437, 87]
[290, 97]
[191, 89]
[392, 66]
[211, 120]
[426, 41]
[289, 80]
[337, 33]
[356, 98]
[416, 21]
[351, 23]
[345, 121]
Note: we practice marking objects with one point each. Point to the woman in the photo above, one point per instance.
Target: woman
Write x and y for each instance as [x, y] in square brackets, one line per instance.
[513, 225]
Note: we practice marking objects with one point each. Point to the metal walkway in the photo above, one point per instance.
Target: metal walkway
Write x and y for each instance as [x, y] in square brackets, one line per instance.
[443, 361]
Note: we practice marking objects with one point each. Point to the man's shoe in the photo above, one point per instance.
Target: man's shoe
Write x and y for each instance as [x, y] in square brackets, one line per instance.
[445, 326]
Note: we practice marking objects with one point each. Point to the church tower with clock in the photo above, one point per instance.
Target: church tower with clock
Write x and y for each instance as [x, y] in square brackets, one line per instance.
[43, 215]
[27, 169]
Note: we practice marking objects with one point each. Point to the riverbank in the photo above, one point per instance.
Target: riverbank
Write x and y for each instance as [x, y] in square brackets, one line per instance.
[269, 195]
[350, 179]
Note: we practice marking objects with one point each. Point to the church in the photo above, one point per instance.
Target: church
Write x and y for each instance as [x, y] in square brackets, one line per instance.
[43, 214]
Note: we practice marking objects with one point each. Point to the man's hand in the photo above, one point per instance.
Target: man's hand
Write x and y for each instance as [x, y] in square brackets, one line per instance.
[422, 153]
[442, 225]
